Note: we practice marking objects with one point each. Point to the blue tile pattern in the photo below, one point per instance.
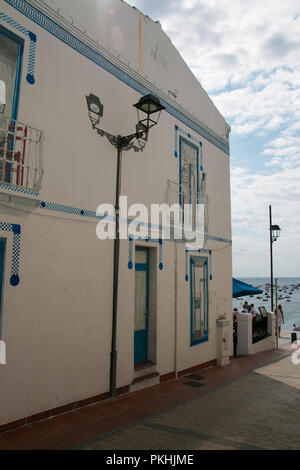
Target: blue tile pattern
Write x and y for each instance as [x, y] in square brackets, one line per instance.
[18, 189]
[32, 45]
[16, 229]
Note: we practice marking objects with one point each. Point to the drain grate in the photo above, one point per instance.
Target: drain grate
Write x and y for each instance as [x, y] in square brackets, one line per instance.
[194, 384]
[196, 377]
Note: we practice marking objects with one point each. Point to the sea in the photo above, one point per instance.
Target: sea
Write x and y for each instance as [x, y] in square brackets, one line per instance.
[288, 296]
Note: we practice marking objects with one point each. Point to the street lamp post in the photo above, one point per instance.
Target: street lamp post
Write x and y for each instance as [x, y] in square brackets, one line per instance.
[274, 235]
[150, 106]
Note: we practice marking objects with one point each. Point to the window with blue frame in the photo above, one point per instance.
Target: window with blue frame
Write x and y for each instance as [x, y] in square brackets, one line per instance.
[199, 299]
[11, 50]
[188, 176]
[11, 157]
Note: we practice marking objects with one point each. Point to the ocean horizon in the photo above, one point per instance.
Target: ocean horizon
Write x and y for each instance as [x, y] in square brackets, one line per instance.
[288, 290]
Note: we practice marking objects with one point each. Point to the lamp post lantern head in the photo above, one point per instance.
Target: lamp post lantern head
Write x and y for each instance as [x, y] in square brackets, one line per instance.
[275, 230]
[150, 105]
[95, 108]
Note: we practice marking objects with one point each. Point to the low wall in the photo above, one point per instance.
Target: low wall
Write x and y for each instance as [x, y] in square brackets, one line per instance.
[244, 335]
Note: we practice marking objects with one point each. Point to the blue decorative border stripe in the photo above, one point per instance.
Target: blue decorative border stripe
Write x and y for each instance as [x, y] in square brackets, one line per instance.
[16, 229]
[32, 45]
[17, 189]
[49, 25]
[52, 206]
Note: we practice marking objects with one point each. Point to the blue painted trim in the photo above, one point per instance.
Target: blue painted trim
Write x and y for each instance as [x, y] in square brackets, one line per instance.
[130, 250]
[161, 266]
[16, 230]
[20, 42]
[187, 142]
[18, 189]
[195, 341]
[202, 250]
[17, 83]
[32, 45]
[53, 206]
[66, 37]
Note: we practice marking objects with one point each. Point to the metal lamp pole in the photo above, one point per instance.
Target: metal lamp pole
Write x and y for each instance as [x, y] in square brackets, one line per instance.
[151, 106]
[271, 259]
[274, 234]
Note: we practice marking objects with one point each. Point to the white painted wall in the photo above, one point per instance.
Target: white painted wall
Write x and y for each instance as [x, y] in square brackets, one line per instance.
[57, 322]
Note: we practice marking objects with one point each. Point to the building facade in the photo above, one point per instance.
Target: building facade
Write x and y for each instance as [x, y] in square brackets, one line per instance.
[56, 276]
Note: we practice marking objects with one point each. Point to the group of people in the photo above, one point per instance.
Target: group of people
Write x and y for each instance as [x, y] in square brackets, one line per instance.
[250, 309]
[245, 309]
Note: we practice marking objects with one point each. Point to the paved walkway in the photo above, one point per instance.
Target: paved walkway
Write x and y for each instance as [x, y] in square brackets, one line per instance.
[251, 404]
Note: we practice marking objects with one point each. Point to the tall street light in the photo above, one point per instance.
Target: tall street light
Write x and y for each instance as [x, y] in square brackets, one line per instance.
[148, 112]
[274, 235]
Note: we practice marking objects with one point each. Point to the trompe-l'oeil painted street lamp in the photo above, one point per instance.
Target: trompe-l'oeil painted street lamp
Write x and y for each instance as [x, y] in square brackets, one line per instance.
[148, 110]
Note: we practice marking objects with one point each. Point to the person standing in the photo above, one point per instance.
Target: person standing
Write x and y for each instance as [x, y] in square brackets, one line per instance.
[280, 318]
[253, 312]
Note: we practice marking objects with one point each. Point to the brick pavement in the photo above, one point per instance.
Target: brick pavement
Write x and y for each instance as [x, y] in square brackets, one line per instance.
[259, 410]
[251, 404]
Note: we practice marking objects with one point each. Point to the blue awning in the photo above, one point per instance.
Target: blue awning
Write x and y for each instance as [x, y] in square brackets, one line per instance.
[240, 288]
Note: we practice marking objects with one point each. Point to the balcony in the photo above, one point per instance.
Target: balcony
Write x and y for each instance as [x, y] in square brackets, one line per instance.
[21, 163]
[182, 195]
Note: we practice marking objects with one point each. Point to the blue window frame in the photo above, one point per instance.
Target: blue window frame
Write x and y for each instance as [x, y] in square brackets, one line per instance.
[11, 52]
[199, 299]
[188, 178]
[2, 256]
[188, 165]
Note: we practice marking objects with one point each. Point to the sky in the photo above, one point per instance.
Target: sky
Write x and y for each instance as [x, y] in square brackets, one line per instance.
[246, 56]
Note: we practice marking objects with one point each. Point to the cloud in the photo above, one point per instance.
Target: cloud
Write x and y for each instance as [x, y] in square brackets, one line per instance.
[246, 56]
[251, 196]
[279, 46]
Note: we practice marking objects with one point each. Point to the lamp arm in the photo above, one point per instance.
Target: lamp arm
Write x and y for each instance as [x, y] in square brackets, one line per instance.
[125, 142]
[112, 138]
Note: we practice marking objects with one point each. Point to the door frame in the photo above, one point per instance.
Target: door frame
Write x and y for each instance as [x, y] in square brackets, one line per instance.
[144, 267]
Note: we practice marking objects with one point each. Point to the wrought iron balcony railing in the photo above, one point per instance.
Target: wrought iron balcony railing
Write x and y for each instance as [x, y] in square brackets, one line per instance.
[21, 147]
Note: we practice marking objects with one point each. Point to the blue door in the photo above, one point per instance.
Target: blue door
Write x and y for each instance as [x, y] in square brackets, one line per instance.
[141, 304]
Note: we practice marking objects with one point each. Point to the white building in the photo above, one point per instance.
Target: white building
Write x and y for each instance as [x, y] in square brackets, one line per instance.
[56, 276]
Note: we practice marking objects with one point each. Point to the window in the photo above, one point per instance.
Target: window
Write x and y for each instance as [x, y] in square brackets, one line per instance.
[189, 176]
[11, 48]
[20, 144]
[199, 299]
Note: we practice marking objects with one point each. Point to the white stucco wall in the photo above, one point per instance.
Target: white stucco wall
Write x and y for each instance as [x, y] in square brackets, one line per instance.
[57, 321]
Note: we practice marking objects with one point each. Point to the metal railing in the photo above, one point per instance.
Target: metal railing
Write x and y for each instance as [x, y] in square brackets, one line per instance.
[180, 195]
[20, 154]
